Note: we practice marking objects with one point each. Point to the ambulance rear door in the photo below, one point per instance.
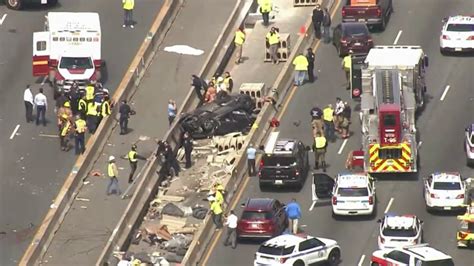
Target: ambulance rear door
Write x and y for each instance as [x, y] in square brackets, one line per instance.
[41, 53]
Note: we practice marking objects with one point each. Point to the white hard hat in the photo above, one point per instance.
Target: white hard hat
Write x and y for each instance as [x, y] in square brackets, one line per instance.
[111, 158]
[220, 79]
[211, 198]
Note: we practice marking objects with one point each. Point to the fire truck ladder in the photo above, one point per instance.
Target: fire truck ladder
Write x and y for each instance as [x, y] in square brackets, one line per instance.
[388, 86]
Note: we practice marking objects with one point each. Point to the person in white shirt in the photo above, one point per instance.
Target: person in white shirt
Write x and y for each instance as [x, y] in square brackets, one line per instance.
[231, 235]
[41, 103]
[338, 112]
[28, 99]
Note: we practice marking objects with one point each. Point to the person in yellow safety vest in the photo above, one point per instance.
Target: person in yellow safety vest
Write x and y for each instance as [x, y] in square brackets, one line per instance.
[273, 41]
[328, 117]
[90, 91]
[319, 148]
[112, 173]
[133, 157]
[347, 66]
[239, 40]
[216, 212]
[64, 112]
[228, 82]
[128, 6]
[82, 106]
[265, 9]
[91, 117]
[79, 138]
[301, 68]
[64, 134]
[104, 109]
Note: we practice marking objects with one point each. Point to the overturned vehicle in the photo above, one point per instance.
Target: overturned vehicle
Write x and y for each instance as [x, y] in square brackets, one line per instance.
[226, 114]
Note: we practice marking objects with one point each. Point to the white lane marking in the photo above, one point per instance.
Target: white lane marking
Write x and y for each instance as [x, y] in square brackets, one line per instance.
[312, 206]
[3, 19]
[445, 92]
[342, 147]
[44, 80]
[361, 261]
[14, 131]
[389, 205]
[398, 37]
[419, 144]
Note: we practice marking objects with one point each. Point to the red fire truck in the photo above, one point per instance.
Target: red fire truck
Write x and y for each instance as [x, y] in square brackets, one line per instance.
[393, 88]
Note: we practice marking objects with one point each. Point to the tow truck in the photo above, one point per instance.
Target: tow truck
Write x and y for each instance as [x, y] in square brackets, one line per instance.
[68, 50]
[20, 4]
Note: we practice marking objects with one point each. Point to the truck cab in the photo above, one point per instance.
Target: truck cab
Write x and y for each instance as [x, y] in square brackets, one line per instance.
[375, 13]
[69, 50]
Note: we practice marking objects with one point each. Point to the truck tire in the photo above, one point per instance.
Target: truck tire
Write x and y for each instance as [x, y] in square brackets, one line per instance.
[14, 4]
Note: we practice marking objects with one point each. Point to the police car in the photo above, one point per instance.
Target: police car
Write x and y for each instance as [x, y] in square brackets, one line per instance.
[417, 255]
[457, 34]
[444, 191]
[399, 231]
[298, 250]
[353, 194]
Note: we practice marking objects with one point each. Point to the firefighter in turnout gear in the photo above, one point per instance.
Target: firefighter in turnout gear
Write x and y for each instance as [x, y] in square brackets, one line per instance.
[133, 159]
[319, 148]
[64, 131]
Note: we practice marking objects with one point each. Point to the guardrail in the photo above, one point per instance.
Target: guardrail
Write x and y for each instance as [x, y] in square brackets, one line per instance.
[148, 186]
[96, 142]
[280, 88]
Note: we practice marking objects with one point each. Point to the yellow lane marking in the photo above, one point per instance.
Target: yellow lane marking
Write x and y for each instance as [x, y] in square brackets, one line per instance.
[216, 239]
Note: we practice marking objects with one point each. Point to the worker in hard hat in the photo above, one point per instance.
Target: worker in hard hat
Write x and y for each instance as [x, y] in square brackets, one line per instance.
[112, 174]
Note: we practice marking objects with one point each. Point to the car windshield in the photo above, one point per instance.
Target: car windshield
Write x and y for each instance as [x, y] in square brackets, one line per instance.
[447, 185]
[357, 31]
[395, 232]
[352, 192]
[276, 250]
[472, 138]
[460, 27]
[445, 262]
[76, 63]
[252, 215]
[271, 160]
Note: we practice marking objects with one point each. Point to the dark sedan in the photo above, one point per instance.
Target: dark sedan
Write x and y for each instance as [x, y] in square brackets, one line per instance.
[223, 115]
[352, 36]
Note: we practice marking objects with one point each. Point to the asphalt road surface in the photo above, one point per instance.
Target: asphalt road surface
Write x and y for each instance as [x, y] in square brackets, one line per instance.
[441, 127]
[32, 167]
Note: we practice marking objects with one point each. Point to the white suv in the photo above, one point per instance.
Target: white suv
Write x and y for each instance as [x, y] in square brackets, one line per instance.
[418, 255]
[399, 231]
[444, 191]
[353, 194]
[298, 250]
[457, 34]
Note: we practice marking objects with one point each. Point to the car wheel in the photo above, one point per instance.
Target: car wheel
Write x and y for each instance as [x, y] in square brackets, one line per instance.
[299, 263]
[383, 25]
[442, 51]
[14, 4]
[334, 257]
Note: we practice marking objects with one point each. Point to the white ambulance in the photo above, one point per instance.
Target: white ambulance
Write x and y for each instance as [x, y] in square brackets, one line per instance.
[69, 50]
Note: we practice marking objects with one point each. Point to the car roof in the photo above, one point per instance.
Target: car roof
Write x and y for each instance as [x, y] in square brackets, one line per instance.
[459, 19]
[394, 55]
[446, 177]
[426, 252]
[280, 146]
[400, 221]
[352, 25]
[259, 204]
[286, 240]
[352, 180]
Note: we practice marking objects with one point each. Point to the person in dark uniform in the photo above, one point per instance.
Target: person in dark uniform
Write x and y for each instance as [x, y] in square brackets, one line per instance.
[125, 112]
[310, 56]
[188, 148]
[318, 16]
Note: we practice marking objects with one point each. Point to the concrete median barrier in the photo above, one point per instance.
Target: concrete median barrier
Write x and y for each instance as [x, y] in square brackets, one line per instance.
[148, 185]
[96, 142]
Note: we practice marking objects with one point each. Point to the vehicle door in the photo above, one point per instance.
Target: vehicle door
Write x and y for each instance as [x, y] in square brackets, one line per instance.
[337, 35]
[280, 217]
[313, 249]
[397, 258]
[427, 187]
[322, 186]
[304, 158]
[41, 53]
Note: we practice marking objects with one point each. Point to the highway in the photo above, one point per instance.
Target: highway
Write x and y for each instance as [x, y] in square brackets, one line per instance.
[441, 127]
[32, 167]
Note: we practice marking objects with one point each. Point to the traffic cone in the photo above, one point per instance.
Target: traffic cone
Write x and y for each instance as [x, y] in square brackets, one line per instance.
[303, 30]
